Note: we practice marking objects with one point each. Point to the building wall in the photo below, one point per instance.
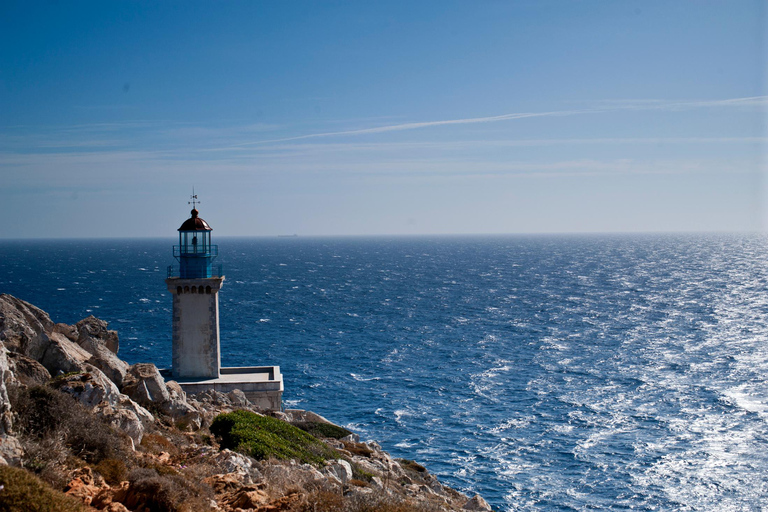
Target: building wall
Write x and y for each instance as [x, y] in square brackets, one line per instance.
[196, 348]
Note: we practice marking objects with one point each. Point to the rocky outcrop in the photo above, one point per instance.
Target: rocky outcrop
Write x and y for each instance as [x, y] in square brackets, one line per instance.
[61, 355]
[86, 354]
[93, 331]
[91, 387]
[477, 503]
[6, 417]
[81, 360]
[10, 448]
[340, 470]
[23, 327]
[27, 371]
[82, 357]
[94, 337]
[144, 384]
[95, 391]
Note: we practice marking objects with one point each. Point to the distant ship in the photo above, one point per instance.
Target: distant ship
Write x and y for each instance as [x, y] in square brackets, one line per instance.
[288, 236]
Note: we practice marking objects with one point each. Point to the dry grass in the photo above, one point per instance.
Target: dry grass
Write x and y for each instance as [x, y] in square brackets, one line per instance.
[113, 471]
[24, 492]
[166, 493]
[58, 433]
[360, 449]
[156, 443]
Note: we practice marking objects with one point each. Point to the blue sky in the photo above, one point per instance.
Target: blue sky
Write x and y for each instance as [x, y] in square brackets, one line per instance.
[354, 118]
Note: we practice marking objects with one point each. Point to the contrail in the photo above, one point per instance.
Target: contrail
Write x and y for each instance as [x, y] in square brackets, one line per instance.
[629, 105]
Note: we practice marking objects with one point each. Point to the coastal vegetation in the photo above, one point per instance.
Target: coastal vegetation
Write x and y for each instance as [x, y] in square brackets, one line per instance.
[22, 490]
[262, 437]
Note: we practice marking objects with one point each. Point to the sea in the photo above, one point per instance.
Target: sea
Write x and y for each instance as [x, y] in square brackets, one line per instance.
[551, 372]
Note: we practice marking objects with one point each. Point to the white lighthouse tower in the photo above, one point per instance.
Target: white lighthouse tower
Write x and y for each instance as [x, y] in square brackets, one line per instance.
[195, 286]
[196, 346]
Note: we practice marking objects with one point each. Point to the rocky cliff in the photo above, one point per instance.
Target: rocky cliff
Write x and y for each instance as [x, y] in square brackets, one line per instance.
[76, 419]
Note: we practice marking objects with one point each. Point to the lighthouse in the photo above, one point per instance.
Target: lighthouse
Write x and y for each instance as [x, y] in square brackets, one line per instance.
[195, 290]
[194, 285]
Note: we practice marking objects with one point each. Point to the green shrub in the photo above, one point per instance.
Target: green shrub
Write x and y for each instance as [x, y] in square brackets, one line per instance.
[263, 437]
[319, 429]
[24, 492]
[359, 473]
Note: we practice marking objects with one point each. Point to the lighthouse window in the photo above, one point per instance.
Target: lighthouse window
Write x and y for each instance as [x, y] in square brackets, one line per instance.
[186, 289]
[208, 290]
[178, 290]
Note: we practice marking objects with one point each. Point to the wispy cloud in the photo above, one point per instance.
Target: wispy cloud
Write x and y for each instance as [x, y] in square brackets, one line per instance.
[426, 124]
[613, 106]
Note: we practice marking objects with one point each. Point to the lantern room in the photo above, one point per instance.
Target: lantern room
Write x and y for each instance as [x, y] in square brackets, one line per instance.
[195, 253]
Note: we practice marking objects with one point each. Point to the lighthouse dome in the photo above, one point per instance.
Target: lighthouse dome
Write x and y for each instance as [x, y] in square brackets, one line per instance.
[195, 223]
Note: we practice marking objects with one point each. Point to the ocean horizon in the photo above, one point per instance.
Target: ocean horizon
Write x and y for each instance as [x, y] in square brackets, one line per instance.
[545, 372]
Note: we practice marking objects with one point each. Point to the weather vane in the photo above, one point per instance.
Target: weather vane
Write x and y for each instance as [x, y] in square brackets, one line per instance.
[194, 199]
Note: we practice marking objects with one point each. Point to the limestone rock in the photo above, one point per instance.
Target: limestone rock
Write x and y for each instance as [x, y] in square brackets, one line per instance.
[94, 390]
[478, 503]
[175, 391]
[23, 327]
[238, 398]
[312, 473]
[351, 438]
[92, 331]
[27, 371]
[144, 384]
[91, 387]
[341, 469]
[6, 417]
[184, 415]
[146, 417]
[70, 331]
[281, 416]
[62, 356]
[102, 344]
[11, 451]
[114, 367]
[210, 396]
[390, 466]
[232, 492]
[233, 462]
[373, 467]
[437, 487]
[298, 415]
[123, 420]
